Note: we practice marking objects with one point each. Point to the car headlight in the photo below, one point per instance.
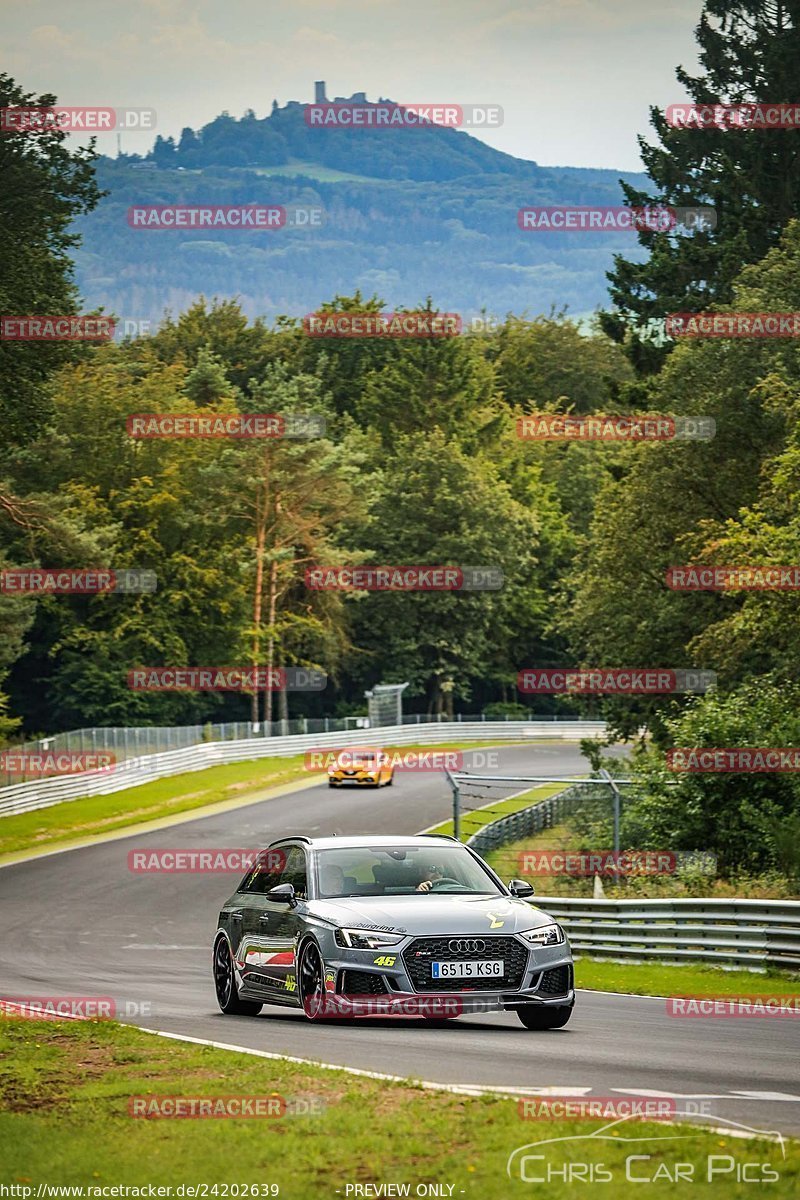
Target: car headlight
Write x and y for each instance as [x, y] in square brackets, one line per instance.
[366, 939]
[545, 935]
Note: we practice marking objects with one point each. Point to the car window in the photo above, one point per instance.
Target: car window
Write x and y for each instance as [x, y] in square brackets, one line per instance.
[260, 880]
[295, 871]
[399, 870]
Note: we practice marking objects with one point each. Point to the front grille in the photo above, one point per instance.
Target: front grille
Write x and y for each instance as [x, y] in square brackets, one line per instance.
[556, 982]
[423, 951]
[363, 983]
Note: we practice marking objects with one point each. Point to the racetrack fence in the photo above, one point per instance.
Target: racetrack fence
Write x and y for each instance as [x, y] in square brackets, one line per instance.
[35, 794]
[129, 741]
[533, 818]
[739, 933]
[754, 934]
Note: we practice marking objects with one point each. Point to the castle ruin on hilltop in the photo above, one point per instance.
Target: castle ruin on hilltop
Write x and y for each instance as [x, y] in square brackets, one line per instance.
[356, 98]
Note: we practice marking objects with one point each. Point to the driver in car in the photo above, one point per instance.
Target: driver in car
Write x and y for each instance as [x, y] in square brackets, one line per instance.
[332, 881]
[434, 873]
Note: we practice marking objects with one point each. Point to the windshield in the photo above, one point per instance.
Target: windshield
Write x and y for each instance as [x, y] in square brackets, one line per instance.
[400, 871]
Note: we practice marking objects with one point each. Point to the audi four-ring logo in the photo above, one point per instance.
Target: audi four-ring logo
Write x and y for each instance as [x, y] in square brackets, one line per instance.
[467, 946]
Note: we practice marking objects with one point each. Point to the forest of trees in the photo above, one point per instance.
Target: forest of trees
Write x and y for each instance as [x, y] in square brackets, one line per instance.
[402, 238]
[421, 463]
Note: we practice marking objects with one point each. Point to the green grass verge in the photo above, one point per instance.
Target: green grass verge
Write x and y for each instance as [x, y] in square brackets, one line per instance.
[473, 819]
[315, 171]
[92, 816]
[657, 979]
[64, 1120]
[683, 884]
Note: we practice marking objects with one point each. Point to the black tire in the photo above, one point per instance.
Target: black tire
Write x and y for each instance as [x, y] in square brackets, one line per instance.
[332, 784]
[537, 1016]
[225, 984]
[311, 980]
[390, 780]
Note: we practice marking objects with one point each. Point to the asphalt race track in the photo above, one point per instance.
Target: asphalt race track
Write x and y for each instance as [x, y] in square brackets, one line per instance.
[80, 923]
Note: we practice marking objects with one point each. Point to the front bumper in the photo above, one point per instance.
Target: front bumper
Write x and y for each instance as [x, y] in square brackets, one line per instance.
[357, 780]
[378, 981]
[441, 1005]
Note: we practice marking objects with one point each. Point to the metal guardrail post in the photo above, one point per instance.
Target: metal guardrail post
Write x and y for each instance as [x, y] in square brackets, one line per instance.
[617, 805]
[456, 805]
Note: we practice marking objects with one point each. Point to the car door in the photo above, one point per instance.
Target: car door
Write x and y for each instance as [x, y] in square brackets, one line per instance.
[251, 904]
[271, 928]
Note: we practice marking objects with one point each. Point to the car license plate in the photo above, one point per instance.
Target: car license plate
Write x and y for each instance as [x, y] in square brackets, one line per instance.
[488, 968]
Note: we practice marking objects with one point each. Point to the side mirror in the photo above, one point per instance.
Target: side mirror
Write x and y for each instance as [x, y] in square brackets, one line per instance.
[520, 888]
[283, 894]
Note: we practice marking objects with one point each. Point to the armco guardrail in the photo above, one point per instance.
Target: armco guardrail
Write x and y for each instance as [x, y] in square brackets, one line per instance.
[26, 797]
[745, 933]
[127, 741]
[532, 819]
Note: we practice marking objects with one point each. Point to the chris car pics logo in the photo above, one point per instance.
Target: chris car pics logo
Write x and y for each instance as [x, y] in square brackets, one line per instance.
[623, 1151]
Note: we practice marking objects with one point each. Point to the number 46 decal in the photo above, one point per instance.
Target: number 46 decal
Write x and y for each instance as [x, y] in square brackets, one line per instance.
[385, 960]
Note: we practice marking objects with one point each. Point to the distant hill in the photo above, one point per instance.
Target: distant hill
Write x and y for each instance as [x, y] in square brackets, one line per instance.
[427, 153]
[409, 213]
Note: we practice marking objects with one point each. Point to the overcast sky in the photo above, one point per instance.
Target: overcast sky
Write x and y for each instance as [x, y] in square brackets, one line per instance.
[575, 77]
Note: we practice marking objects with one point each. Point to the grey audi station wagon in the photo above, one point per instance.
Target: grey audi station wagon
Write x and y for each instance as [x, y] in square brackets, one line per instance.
[388, 926]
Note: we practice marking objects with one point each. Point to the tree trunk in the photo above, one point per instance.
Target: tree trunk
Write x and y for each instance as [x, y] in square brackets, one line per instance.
[261, 534]
[272, 603]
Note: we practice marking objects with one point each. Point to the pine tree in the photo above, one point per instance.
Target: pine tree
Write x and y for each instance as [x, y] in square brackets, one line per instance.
[46, 186]
[207, 382]
[750, 51]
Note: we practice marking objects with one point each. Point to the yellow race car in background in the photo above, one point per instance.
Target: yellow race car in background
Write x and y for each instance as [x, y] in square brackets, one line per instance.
[364, 766]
